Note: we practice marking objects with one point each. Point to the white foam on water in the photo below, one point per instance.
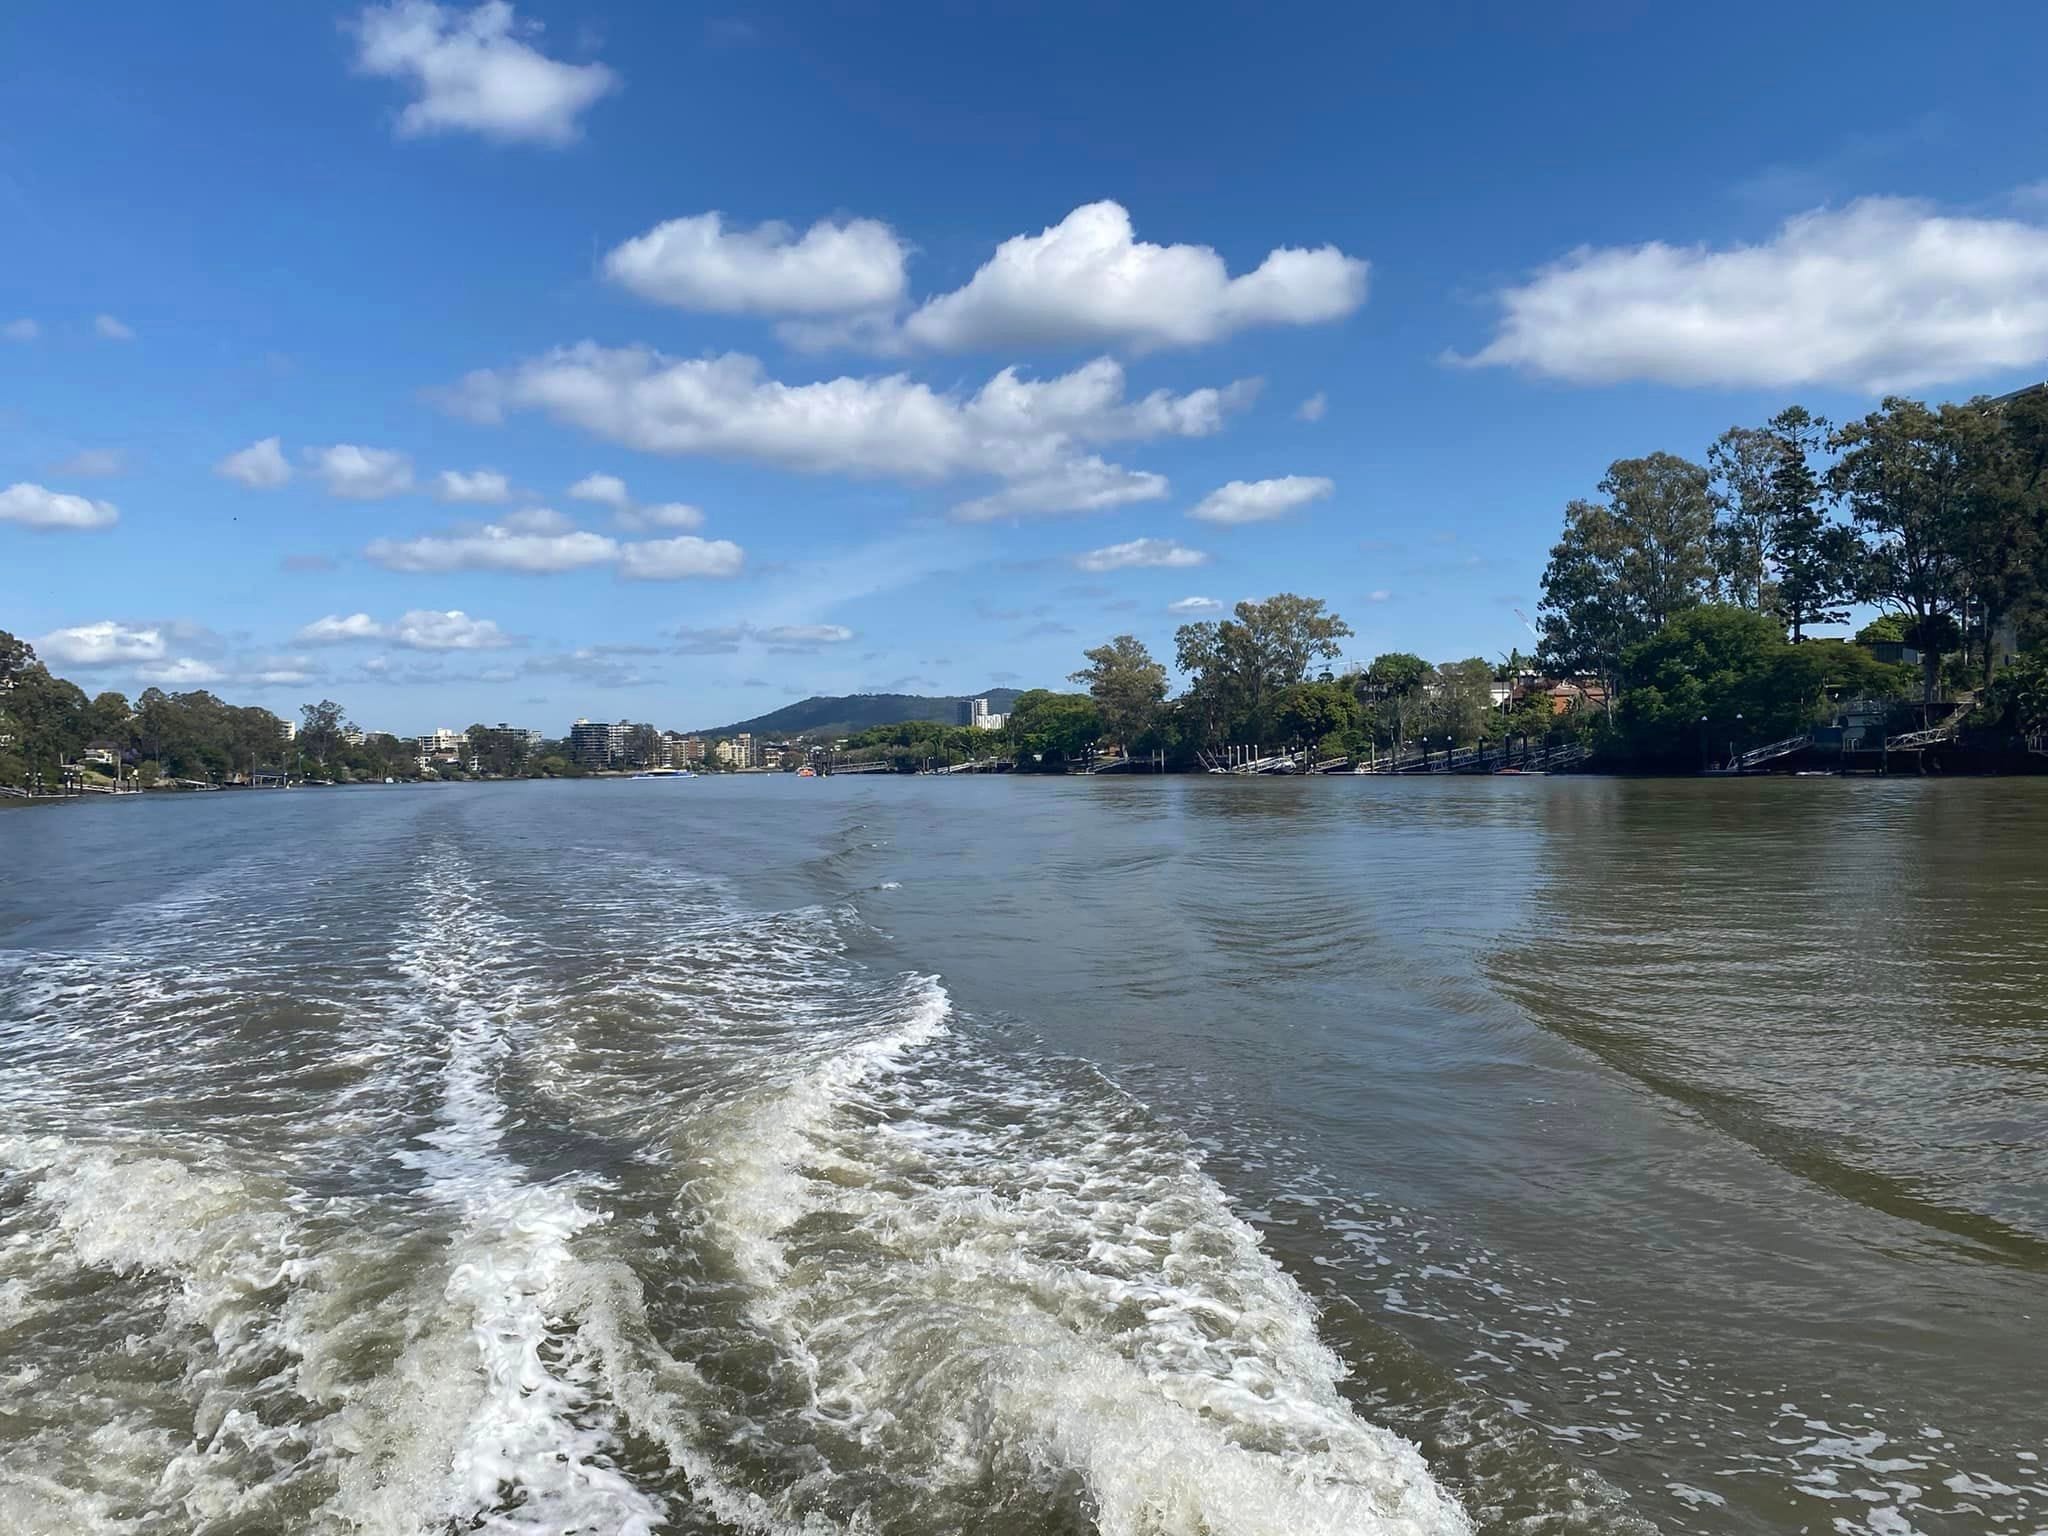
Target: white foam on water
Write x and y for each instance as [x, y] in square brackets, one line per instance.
[508, 1434]
[1020, 1287]
[206, 1259]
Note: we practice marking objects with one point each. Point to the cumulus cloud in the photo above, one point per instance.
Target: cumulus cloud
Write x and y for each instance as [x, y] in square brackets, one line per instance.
[1883, 294]
[608, 489]
[1260, 501]
[1314, 407]
[35, 506]
[1161, 554]
[107, 328]
[494, 547]
[1090, 484]
[679, 558]
[482, 486]
[261, 466]
[696, 263]
[667, 514]
[105, 644]
[356, 473]
[336, 629]
[95, 463]
[1186, 607]
[23, 329]
[1089, 280]
[1015, 429]
[419, 629]
[428, 629]
[476, 70]
[1378, 595]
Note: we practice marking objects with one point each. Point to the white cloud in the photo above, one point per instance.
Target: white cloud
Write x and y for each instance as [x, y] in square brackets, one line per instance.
[261, 466]
[337, 629]
[360, 474]
[608, 489]
[1260, 501]
[1014, 429]
[697, 263]
[107, 328]
[105, 644]
[1091, 484]
[475, 70]
[180, 672]
[1314, 407]
[1088, 280]
[23, 329]
[428, 629]
[95, 463]
[35, 506]
[538, 520]
[1186, 607]
[494, 547]
[1161, 554]
[667, 514]
[482, 486]
[679, 558]
[418, 629]
[1378, 595]
[1880, 295]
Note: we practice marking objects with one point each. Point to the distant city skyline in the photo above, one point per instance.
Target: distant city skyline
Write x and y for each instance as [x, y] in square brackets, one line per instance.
[486, 361]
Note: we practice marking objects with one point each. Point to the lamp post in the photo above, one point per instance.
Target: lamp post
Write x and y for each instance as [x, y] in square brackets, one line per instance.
[1703, 743]
[1734, 760]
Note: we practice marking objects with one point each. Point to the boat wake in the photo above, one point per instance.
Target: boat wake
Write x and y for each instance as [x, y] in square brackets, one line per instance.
[624, 1224]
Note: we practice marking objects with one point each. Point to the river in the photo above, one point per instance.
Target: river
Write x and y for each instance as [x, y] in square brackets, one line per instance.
[1151, 1157]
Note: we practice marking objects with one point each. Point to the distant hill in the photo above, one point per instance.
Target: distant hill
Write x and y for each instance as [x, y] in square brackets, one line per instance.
[847, 713]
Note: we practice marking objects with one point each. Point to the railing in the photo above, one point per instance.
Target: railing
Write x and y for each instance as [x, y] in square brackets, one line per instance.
[1934, 734]
[1756, 756]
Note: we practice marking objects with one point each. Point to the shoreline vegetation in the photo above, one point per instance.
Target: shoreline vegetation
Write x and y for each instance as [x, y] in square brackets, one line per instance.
[1674, 638]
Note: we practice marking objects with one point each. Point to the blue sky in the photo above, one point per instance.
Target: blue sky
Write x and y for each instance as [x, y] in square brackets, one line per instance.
[667, 362]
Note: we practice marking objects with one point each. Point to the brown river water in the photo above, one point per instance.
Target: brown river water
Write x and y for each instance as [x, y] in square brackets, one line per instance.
[1151, 1157]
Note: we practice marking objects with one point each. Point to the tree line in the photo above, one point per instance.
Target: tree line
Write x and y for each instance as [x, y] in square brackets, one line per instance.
[47, 723]
[1690, 590]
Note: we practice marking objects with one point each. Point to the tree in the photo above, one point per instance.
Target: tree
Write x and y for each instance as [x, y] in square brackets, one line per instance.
[1128, 686]
[1907, 474]
[110, 717]
[1239, 667]
[2005, 513]
[1815, 559]
[1321, 712]
[16, 657]
[1391, 685]
[1587, 623]
[1689, 683]
[1745, 536]
[320, 730]
[1054, 727]
[1459, 700]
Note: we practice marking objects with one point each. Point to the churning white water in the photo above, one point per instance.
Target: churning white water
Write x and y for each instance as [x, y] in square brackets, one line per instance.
[424, 1209]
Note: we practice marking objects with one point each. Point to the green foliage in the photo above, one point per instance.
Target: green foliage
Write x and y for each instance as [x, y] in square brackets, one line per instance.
[2018, 700]
[1240, 668]
[1053, 728]
[1128, 686]
[1886, 627]
[1715, 675]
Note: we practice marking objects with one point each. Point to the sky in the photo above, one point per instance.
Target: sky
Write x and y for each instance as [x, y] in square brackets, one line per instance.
[672, 362]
